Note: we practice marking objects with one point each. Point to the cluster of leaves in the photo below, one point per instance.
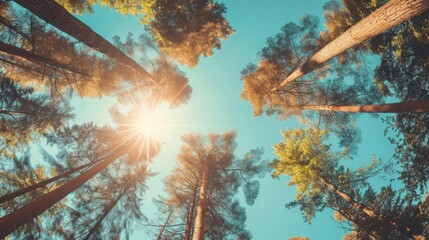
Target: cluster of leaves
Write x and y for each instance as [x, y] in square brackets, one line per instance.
[321, 182]
[184, 29]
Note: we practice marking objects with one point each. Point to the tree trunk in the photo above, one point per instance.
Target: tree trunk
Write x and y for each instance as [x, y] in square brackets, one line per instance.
[190, 216]
[165, 224]
[7, 23]
[371, 213]
[55, 14]
[414, 106]
[16, 219]
[390, 14]
[43, 183]
[38, 59]
[105, 213]
[199, 230]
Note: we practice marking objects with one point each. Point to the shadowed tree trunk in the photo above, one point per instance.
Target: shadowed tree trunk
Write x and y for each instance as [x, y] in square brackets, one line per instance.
[161, 231]
[43, 183]
[371, 213]
[390, 14]
[38, 59]
[16, 219]
[7, 23]
[105, 213]
[55, 14]
[202, 204]
[190, 216]
[414, 106]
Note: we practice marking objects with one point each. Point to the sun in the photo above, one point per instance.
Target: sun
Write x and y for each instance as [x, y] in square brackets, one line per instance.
[151, 123]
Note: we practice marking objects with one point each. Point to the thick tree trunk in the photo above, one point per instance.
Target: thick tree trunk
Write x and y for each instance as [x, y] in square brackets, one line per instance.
[199, 230]
[414, 106]
[105, 213]
[371, 213]
[55, 14]
[38, 59]
[390, 14]
[43, 183]
[14, 220]
[190, 216]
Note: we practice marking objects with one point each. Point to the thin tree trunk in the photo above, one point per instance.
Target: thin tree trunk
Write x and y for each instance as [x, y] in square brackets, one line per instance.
[190, 216]
[7, 23]
[390, 14]
[16, 219]
[202, 205]
[165, 224]
[371, 213]
[55, 14]
[43, 183]
[38, 59]
[105, 213]
[413, 106]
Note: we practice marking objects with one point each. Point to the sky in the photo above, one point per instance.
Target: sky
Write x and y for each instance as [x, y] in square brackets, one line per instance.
[215, 107]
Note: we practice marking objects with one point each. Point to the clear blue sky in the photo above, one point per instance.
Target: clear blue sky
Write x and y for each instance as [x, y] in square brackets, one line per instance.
[216, 106]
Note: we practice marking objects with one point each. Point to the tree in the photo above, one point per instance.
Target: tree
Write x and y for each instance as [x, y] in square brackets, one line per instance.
[391, 14]
[401, 73]
[27, 58]
[204, 184]
[116, 144]
[393, 205]
[67, 23]
[314, 169]
[25, 114]
[108, 207]
[73, 67]
[43, 183]
[19, 172]
[184, 30]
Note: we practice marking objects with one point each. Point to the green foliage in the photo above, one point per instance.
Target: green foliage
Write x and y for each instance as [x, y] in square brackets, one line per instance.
[184, 29]
[311, 165]
[26, 115]
[333, 84]
[71, 67]
[394, 207]
[187, 29]
[304, 157]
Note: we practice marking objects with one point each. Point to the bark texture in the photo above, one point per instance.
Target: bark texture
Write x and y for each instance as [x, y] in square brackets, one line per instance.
[14, 220]
[390, 14]
[371, 213]
[56, 15]
[38, 59]
[22, 191]
[413, 106]
[199, 230]
[190, 216]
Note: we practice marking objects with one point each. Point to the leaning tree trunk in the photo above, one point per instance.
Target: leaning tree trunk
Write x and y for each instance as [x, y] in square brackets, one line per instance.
[413, 106]
[7, 23]
[390, 14]
[105, 213]
[371, 213]
[43, 183]
[190, 216]
[199, 230]
[161, 231]
[55, 14]
[38, 59]
[16, 219]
